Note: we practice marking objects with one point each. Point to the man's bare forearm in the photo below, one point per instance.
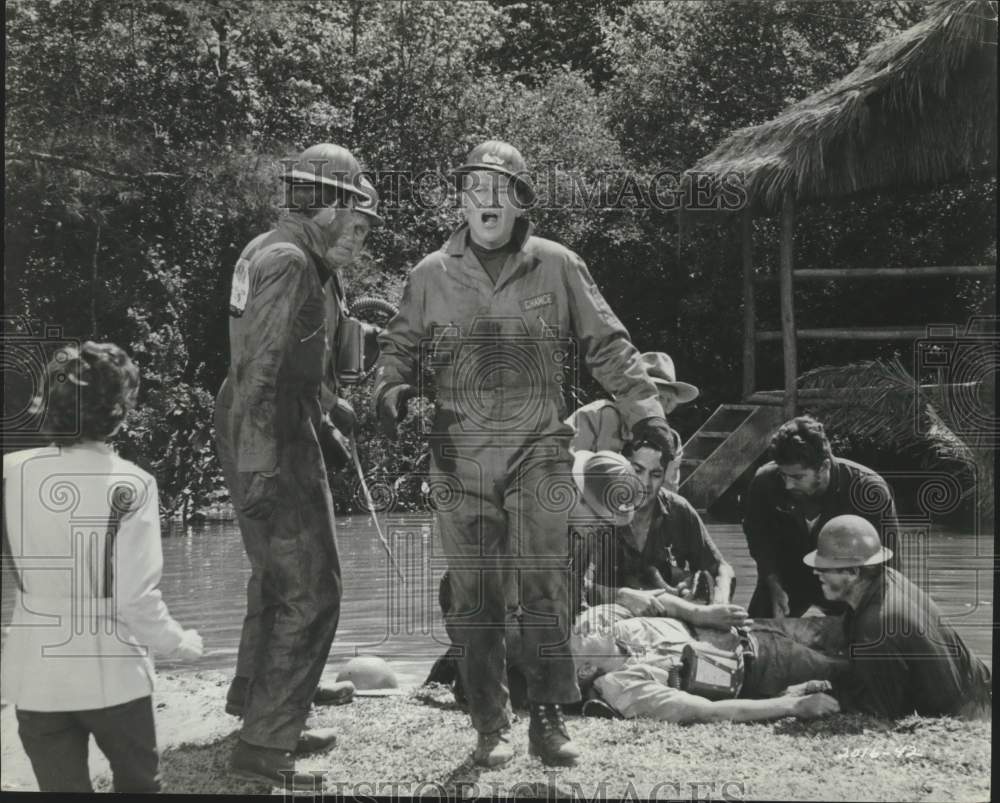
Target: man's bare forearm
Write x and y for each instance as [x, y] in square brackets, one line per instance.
[749, 710]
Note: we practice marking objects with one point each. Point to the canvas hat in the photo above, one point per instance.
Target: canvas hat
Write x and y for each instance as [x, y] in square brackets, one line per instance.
[371, 676]
[660, 369]
[609, 489]
[846, 542]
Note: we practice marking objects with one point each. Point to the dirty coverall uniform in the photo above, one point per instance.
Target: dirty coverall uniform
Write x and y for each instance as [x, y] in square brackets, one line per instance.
[266, 418]
[501, 469]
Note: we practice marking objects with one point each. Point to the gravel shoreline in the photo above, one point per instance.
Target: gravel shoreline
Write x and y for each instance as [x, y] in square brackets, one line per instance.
[419, 744]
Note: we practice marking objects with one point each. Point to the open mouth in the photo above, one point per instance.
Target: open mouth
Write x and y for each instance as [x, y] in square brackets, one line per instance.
[490, 219]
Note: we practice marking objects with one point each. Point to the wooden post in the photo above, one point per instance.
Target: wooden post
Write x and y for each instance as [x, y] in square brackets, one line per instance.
[788, 343]
[749, 305]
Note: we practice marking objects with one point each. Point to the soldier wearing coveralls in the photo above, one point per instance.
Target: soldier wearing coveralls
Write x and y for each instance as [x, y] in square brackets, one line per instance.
[267, 417]
[494, 314]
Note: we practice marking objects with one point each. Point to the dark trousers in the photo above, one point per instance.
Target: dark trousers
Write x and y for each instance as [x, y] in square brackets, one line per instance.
[507, 514]
[293, 595]
[57, 741]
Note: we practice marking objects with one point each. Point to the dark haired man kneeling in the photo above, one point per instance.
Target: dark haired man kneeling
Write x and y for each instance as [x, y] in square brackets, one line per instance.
[789, 501]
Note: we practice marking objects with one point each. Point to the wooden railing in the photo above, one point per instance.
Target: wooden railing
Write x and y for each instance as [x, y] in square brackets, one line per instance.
[788, 334]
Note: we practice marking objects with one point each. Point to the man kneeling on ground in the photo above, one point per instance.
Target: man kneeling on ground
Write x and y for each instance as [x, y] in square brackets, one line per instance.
[904, 658]
[664, 551]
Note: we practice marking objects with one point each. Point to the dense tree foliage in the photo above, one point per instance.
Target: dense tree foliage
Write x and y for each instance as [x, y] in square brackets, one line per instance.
[143, 141]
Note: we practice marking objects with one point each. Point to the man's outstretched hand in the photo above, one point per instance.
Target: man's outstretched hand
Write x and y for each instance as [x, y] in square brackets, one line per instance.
[815, 705]
[722, 616]
[392, 408]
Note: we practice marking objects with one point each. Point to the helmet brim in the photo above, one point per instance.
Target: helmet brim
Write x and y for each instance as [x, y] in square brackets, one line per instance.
[522, 183]
[380, 692]
[816, 561]
[301, 177]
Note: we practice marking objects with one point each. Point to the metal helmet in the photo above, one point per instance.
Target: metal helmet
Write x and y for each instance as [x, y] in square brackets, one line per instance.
[500, 157]
[368, 205]
[609, 489]
[371, 676]
[327, 164]
[845, 542]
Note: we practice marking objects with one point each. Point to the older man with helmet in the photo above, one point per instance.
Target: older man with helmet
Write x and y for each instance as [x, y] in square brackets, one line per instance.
[267, 418]
[494, 314]
[905, 658]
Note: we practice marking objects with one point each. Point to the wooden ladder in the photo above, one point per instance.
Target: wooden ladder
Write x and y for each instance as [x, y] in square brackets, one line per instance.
[728, 443]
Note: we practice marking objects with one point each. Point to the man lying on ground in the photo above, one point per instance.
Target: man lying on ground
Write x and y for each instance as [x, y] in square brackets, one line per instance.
[647, 667]
[904, 658]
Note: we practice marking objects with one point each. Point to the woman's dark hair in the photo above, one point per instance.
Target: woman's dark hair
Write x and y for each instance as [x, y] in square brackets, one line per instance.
[800, 441]
[630, 448]
[88, 392]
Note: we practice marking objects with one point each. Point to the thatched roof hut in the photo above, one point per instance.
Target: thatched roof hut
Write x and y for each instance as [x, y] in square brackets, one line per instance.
[918, 110]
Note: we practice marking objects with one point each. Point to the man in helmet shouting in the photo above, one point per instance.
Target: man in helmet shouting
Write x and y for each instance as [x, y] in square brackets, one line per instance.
[267, 417]
[496, 315]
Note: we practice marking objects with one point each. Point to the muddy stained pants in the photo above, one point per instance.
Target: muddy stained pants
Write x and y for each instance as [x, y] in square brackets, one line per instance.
[293, 595]
[502, 508]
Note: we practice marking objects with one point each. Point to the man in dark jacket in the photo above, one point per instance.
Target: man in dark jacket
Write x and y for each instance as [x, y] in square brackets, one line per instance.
[266, 418]
[789, 501]
[904, 658]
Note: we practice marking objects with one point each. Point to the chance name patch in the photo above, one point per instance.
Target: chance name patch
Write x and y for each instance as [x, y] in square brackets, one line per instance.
[544, 300]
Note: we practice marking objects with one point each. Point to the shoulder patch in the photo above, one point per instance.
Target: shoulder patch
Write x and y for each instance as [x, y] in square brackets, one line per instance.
[239, 293]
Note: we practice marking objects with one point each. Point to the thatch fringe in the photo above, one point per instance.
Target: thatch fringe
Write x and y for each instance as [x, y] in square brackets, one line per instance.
[919, 109]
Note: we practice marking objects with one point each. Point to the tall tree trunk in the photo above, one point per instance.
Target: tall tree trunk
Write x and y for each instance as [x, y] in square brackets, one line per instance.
[93, 282]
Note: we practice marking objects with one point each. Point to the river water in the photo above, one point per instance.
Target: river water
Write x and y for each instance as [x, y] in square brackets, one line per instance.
[206, 570]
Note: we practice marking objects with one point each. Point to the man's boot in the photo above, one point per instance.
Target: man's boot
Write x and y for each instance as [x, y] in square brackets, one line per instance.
[493, 749]
[271, 766]
[547, 736]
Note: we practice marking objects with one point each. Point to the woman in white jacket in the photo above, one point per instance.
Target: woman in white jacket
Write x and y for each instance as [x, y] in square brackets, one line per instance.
[82, 526]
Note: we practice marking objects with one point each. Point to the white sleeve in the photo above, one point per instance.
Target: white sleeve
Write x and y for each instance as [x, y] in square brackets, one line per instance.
[138, 565]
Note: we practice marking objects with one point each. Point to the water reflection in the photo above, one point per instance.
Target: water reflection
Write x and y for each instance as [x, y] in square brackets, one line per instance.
[206, 570]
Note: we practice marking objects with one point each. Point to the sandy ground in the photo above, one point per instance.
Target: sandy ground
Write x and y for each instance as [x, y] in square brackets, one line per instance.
[419, 744]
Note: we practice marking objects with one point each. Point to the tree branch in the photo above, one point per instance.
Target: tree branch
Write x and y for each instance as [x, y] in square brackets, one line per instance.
[73, 164]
